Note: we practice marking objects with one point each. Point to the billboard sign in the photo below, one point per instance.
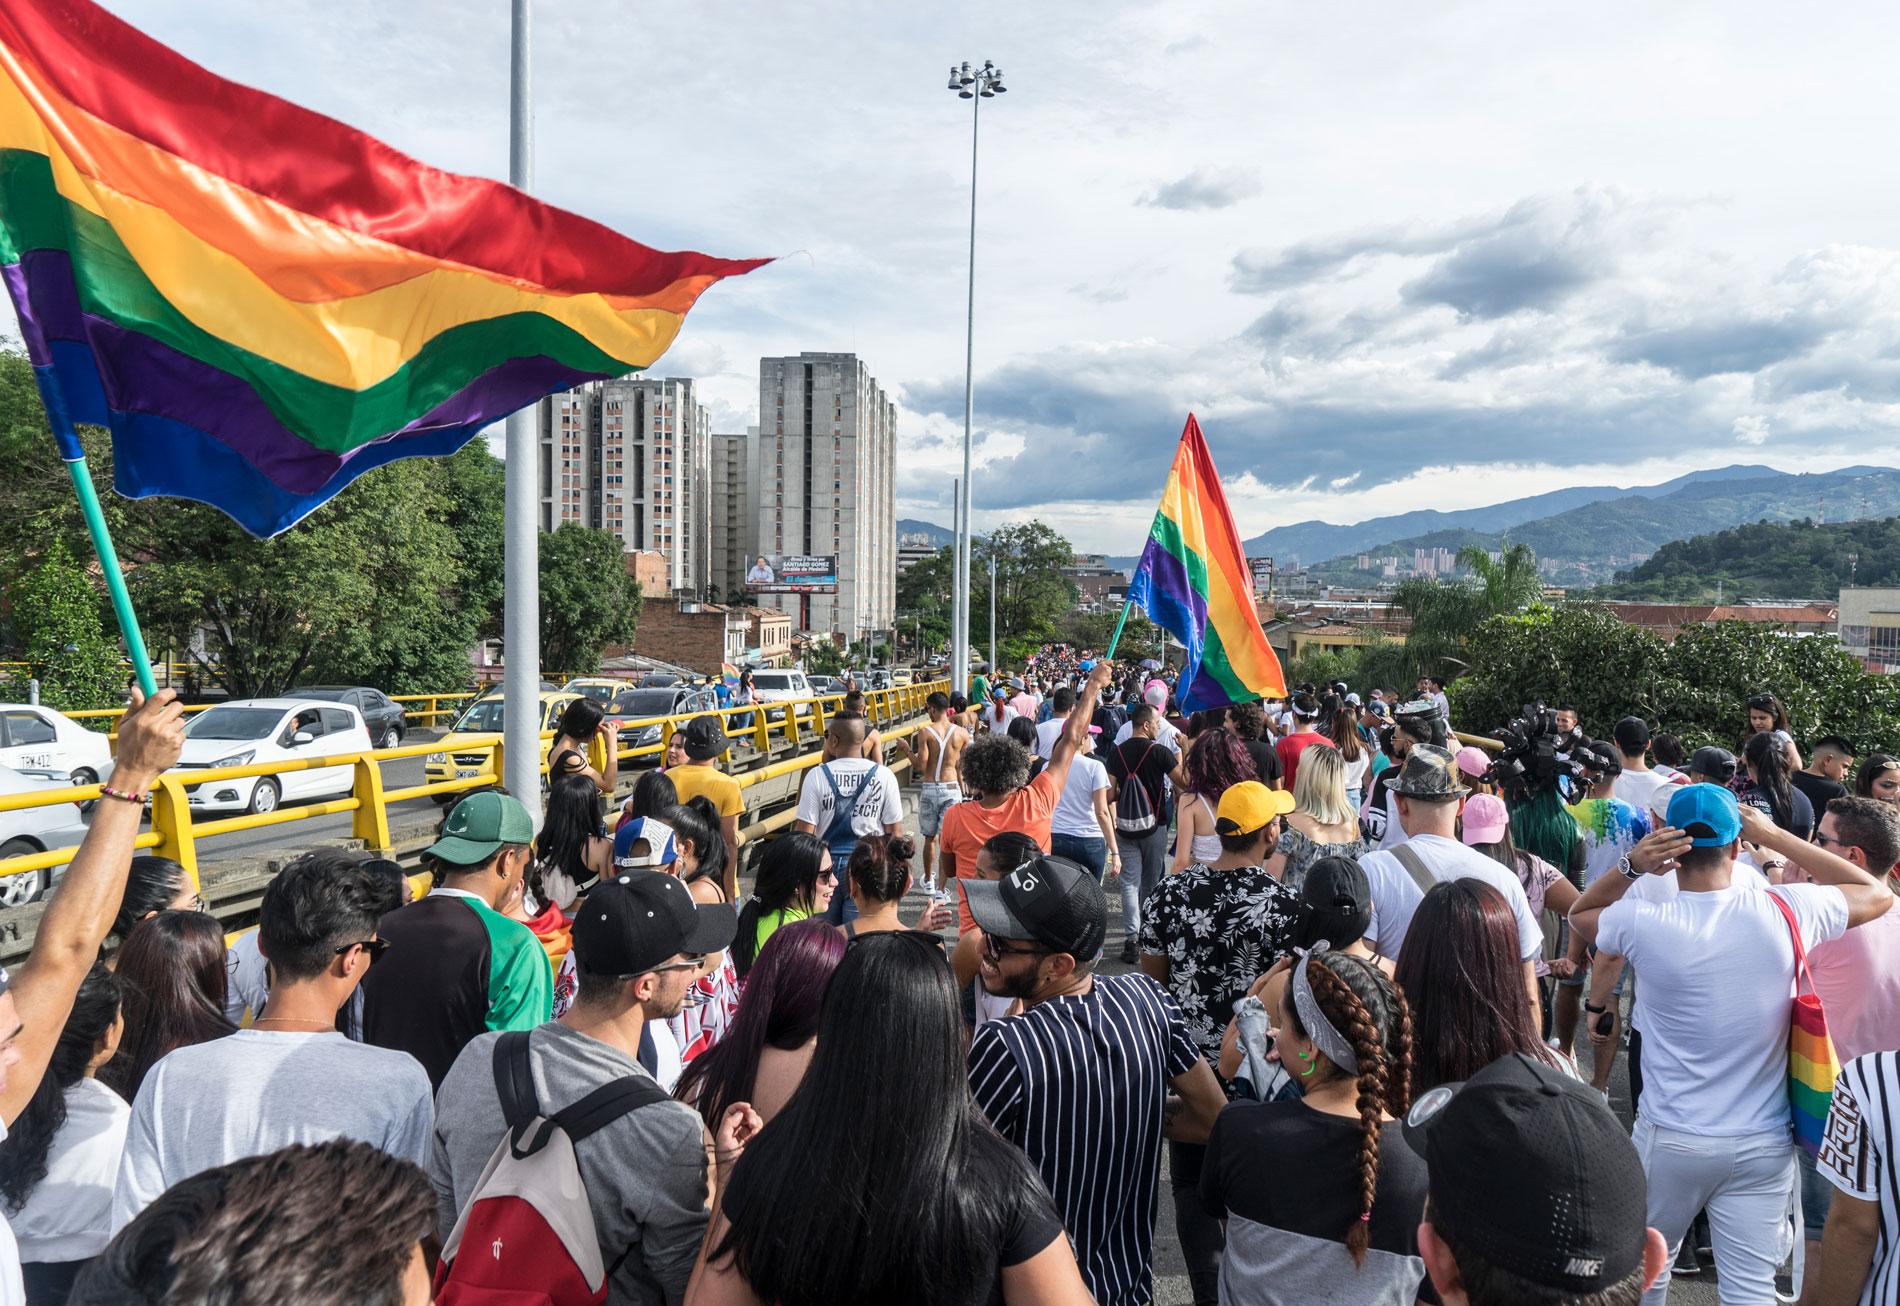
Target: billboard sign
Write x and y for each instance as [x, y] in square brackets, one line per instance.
[793, 573]
[1262, 569]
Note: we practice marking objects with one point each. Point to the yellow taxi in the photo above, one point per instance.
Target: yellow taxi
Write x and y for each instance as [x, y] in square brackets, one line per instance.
[460, 760]
[599, 688]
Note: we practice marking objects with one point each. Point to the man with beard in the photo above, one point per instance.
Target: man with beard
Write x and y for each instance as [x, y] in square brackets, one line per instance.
[1081, 1079]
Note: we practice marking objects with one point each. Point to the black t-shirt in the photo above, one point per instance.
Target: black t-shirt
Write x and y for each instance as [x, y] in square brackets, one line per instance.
[1000, 1181]
[1820, 791]
[1800, 822]
[1286, 1178]
[1152, 763]
[1266, 762]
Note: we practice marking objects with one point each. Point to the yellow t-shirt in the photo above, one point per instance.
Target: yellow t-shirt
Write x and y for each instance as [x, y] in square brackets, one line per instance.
[694, 779]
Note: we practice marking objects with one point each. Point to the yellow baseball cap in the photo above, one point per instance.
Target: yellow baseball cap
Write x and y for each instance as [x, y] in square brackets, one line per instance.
[1248, 806]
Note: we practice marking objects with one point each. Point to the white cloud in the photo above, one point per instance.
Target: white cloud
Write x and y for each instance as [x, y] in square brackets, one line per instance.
[1751, 430]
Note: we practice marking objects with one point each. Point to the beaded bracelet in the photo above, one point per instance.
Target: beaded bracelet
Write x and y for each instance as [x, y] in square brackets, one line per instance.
[105, 791]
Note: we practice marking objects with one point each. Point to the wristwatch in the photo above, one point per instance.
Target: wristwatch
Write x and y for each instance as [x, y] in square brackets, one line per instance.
[1594, 1010]
[1629, 870]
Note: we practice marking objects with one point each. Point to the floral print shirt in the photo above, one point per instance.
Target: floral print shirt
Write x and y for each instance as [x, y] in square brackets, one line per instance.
[1220, 931]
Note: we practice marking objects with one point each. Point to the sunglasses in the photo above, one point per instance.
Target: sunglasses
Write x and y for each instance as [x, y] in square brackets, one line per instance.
[691, 963]
[1762, 702]
[372, 948]
[995, 951]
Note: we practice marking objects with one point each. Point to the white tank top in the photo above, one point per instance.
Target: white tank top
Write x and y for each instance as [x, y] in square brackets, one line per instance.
[1205, 847]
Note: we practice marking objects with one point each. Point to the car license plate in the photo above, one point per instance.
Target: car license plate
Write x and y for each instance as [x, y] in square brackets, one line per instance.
[466, 775]
[35, 761]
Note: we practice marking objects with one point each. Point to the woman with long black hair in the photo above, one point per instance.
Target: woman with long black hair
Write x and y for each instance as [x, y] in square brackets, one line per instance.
[574, 736]
[173, 970]
[60, 1161]
[572, 851]
[1770, 789]
[927, 1205]
[796, 881]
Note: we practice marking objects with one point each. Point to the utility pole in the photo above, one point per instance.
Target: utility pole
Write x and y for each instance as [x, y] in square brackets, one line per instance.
[521, 579]
[992, 611]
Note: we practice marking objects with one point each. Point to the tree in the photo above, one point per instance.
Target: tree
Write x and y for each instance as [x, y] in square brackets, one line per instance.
[56, 612]
[1510, 583]
[587, 598]
[1031, 589]
[1141, 638]
[924, 591]
[1444, 616]
[823, 657]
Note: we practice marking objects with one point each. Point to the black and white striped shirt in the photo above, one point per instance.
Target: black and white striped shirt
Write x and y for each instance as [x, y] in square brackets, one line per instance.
[1859, 1156]
[1078, 1083]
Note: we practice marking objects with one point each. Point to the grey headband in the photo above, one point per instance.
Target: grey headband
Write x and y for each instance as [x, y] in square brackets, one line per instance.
[1326, 1038]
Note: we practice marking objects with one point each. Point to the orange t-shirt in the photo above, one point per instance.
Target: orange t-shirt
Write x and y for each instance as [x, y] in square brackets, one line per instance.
[969, 825]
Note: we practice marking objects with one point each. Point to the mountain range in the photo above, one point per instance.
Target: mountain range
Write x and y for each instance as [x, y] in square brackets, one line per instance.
[939, 536]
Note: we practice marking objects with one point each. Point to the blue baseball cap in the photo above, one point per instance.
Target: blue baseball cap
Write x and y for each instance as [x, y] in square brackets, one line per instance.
[1709, 814]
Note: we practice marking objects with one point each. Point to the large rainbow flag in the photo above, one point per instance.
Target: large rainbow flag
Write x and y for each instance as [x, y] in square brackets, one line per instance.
[1193, 581]
[262, 303]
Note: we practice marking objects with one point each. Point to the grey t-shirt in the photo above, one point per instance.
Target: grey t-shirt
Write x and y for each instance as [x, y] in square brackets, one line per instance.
[645, 1173]
[255, 1091]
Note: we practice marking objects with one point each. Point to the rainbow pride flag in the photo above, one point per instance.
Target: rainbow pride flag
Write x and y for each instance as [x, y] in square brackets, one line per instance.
[1193, 581]
[262, 303]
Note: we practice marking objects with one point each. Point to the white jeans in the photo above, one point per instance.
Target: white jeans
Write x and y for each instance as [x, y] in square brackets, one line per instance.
[1747, 1185]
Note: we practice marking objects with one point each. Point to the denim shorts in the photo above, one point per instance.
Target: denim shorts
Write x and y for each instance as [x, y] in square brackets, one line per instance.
[933, 800]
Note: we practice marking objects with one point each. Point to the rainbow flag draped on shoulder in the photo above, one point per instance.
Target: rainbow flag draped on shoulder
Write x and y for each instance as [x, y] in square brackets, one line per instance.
[1193, 582]
[262, 303]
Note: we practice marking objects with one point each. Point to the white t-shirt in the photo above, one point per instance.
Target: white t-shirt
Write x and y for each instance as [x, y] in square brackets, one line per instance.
[1714, 999]
[868, 787]
[68, 1215]
[12, 1284]
[255, 1091]
[248, 978]
[1166, 735]
[1047, 733]
[998, 721]
[1075, 810]
[1610, 828]
[1395, 896]
[1639, 788]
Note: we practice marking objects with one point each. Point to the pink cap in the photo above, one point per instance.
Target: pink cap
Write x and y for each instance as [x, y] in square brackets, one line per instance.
[1486, 819]
[1156, 693]
[1473, 761]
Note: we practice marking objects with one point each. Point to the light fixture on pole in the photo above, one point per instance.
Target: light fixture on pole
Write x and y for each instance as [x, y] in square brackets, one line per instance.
[975, 85]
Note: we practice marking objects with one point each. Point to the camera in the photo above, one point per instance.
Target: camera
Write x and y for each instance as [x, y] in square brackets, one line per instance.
[1535, 755]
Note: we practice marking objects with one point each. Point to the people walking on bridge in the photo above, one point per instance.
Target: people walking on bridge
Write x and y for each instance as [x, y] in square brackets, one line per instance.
[796, 881]
[845, 797]
[1145, 772]
[457, 965]
[291, 1077]
[639, 946]
[937, 761]
[581, 723]
[706, 743]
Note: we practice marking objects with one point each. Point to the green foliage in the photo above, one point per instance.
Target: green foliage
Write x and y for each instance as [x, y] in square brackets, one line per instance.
[824, 658]
[1031, 591]
[924, 591]
[1385, 664]
[587, 598]
[1141, 638]
[58, 617]
[1795, 559]
[1581, 654]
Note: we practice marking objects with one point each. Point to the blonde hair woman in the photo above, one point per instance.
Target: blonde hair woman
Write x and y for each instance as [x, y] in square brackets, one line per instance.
[1322, 823]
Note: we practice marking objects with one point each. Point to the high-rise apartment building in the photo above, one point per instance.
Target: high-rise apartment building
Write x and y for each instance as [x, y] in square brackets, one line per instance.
[822, 487]
[731, 516]
[633, 457]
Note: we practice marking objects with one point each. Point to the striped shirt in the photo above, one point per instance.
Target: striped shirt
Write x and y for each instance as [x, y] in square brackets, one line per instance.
[1078, 1083]
[1858, 1156]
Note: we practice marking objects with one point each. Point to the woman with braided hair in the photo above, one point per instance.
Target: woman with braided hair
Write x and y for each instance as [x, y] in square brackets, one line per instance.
[1322, 1195]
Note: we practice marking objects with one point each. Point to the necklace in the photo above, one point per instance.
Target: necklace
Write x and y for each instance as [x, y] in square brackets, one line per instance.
[312, 1026]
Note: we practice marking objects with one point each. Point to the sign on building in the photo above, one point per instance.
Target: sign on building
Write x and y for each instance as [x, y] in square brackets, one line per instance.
[793, 573]
[1262, 569]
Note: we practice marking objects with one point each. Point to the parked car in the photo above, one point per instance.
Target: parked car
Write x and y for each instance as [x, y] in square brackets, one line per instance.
[601, 689]
[457, 761]
[386, 719]
[826, 686]
[779, 687]
[658, 680]
[271, 730]
[35, 738]
[636, 704]
[32, 830]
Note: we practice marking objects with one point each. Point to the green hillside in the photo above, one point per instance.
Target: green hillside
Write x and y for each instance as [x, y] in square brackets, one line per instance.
[1794, 560]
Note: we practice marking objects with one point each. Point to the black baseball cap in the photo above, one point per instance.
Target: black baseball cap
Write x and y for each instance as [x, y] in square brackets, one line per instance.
[705, 738]
[1716, 763]
[1051, 901]
[631, 923]
[1529, 1170]
[1632, 734]
[1601, 757]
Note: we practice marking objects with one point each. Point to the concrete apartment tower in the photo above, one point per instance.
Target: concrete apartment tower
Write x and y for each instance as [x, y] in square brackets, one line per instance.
[732, 523]
[822, 482]
[634, 457]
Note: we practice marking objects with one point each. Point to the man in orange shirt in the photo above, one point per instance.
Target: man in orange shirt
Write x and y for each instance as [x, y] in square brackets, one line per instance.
[1003, 798]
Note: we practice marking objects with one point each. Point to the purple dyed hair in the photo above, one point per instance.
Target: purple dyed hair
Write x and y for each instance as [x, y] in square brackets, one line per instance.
[784, 992]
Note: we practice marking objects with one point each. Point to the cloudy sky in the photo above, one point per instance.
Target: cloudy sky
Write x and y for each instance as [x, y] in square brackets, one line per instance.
[1393, 255]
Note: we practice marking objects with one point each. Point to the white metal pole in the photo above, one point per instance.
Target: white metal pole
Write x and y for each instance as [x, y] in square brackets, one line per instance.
[961, 655]
[992, 611]
[521, 604]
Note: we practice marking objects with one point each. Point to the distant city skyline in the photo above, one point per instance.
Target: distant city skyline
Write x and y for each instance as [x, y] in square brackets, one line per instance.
[1391, 258]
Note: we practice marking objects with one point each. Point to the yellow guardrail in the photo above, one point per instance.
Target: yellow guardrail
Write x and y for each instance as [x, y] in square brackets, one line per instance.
[176, 832]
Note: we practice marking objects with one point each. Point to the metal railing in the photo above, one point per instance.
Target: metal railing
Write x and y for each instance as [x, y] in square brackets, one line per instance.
[177, 833]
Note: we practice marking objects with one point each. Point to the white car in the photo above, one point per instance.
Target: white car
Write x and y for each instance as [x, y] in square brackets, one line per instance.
[255, 730]
[779, 687]
[34, 738]
[34, 830]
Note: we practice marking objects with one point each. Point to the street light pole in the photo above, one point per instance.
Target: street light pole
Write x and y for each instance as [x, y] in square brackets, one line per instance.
[521, 605]
[976, 86]
[992, 553]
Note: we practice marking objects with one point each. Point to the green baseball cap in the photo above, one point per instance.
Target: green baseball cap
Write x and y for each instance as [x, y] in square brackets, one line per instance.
[479, 826]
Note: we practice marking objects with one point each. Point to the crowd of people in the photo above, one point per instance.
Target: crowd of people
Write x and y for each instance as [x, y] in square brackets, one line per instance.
[899, 1062]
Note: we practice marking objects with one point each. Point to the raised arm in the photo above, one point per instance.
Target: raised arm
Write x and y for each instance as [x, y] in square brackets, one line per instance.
[1076, 729]
[81, 912]
[1867, 898]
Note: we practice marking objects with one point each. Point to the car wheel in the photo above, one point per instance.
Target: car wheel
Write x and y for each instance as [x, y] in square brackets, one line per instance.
[85, 776]
[264, 796]
[19, 890]
[392, 738]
